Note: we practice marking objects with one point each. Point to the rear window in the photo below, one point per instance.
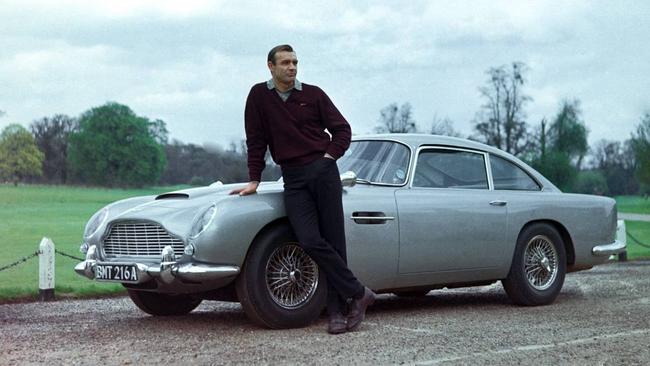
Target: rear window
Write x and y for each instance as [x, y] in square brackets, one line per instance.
[508, 176]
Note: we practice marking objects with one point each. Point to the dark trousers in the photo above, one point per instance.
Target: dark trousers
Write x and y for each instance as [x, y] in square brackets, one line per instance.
[313, 200]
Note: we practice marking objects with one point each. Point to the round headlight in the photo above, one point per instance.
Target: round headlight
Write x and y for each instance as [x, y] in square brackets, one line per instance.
[95, 222]
[203, 221]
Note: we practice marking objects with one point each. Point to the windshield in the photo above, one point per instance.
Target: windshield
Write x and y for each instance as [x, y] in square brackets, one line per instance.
[383, 162]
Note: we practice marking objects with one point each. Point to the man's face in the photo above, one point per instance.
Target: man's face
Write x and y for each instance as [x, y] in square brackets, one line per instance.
[285, 68]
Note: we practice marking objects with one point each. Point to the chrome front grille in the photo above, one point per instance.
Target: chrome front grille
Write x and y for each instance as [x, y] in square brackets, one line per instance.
[139, 239]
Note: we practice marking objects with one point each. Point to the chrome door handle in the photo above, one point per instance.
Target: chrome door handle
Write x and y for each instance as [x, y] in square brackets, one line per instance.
[379, 218]
[498, 203]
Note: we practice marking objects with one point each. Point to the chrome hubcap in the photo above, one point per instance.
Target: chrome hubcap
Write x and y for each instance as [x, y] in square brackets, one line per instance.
[540, 262]
[291, 276]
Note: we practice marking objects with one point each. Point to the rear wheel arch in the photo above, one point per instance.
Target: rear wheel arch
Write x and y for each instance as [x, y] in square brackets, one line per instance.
[538, 266]
[564, 234]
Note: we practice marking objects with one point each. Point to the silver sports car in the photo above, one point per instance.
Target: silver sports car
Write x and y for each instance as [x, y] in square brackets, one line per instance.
[422, 212]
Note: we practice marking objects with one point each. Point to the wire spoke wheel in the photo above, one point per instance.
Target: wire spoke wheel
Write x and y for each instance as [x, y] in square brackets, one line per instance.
[541, 262]
[291, 276]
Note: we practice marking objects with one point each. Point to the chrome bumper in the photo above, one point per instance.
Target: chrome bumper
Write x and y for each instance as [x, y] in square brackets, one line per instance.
[167, 271]
[608, 249]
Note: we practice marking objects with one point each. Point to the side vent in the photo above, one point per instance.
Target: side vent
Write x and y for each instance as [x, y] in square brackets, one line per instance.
[173, 196]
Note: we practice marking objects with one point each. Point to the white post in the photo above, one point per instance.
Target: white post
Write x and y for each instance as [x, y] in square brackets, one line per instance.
[46, 270]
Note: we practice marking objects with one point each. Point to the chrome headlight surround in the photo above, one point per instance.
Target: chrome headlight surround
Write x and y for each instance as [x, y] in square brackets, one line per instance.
[95, 222]
[203, 222]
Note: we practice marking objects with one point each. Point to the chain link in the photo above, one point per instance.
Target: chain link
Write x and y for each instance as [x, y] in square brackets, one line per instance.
[24, 259]
[68, 255]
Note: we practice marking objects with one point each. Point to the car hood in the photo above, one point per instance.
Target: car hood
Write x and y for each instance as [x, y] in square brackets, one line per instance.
[177, 210]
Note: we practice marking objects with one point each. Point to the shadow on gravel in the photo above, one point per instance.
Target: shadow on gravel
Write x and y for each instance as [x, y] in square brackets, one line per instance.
[212, 316]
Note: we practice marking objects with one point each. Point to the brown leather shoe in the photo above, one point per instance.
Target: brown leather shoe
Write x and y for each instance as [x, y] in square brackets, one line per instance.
[358, 309]
[337, 324]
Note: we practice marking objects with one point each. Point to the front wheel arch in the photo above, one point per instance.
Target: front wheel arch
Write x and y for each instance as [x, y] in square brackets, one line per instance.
[256, 295]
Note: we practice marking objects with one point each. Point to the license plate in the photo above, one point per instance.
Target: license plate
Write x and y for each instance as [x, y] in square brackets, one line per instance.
[116, 272]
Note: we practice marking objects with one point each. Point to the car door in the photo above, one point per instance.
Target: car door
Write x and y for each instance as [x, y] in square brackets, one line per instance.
[371, 222]
[450, 218]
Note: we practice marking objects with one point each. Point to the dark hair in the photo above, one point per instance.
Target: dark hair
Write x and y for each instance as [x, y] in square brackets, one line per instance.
[276, 49]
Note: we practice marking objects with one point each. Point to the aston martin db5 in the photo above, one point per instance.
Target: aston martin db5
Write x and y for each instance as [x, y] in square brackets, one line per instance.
[422, 212]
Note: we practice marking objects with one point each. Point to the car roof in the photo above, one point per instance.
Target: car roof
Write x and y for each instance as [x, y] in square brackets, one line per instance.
[416, 140]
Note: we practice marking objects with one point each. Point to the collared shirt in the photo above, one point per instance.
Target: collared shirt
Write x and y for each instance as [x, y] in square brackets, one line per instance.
[284, 95]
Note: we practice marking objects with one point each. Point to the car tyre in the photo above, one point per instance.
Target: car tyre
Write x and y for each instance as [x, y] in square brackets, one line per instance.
[280, 286]
[538, 267]
[163, 304]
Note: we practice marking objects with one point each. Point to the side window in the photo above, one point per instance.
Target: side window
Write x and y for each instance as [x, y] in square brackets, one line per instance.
[507, 175]
[444, 168]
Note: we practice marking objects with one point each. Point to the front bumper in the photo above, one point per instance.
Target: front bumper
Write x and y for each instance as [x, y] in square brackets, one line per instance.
[167, 272]
[608, 249]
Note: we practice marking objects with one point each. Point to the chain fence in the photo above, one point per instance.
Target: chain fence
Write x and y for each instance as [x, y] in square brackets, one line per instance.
[21, 260]
[637, 240]
[35, 254]
[68, 255]
[61, 253]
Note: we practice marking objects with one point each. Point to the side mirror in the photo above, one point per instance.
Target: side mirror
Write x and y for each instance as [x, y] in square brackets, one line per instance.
[348, 179]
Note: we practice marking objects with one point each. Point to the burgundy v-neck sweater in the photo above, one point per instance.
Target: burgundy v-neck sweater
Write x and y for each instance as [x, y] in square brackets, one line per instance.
[294, 131]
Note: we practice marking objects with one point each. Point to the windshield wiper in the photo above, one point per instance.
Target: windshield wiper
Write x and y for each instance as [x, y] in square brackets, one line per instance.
[363, 181]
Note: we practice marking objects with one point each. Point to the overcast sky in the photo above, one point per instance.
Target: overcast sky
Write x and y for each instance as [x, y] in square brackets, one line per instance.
[192, 63]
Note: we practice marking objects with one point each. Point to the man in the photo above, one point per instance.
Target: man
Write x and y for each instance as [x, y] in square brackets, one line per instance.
[290, 118]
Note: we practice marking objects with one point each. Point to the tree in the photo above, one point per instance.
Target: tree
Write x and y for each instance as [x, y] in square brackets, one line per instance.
[501, 121]
[396, 119]
[197, 165]
[568, 134]
[51, 135]
[158, 129]
[616, 162]
[557, 150]
[19, 155]
[115, 147]
[591, 182]
[444, 127]
[557, 168]
[641, 146]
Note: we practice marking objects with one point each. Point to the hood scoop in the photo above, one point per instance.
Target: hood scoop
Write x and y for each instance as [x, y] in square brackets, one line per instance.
[173, 196]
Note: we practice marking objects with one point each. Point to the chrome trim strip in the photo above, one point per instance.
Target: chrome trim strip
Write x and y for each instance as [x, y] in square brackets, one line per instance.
[609, 249]
[488, 169]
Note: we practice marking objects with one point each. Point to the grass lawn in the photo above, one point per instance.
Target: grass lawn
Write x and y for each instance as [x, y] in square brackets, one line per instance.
[30, 212]
[641, 231]
[633, 204]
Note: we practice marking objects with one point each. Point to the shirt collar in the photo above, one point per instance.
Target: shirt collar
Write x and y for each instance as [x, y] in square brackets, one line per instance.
[296, 85]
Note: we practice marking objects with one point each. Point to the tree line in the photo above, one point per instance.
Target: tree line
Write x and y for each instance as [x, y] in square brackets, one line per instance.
[556, 147]
[111, 146]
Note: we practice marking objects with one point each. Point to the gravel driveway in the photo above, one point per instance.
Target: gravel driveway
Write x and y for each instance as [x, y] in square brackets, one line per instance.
[602, 316]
